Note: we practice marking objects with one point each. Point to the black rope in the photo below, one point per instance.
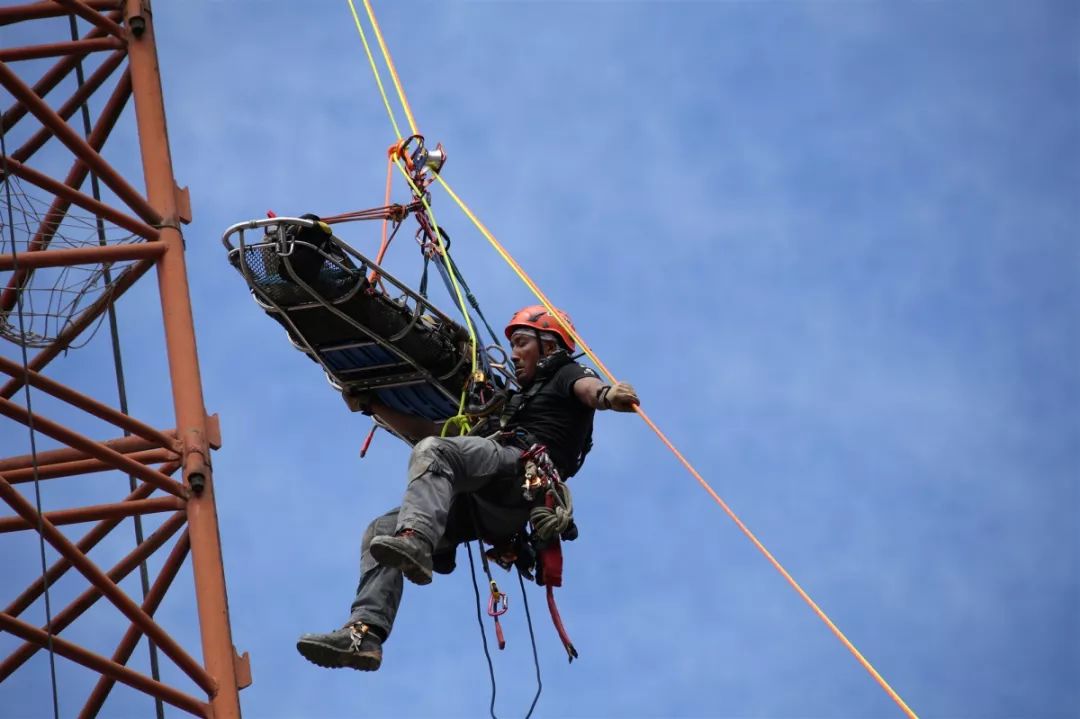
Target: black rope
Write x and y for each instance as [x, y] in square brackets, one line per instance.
[532, 638]
[480, 621]
[469, 296]
[118, 367]
[424, 277]
[472, 299]
[30, 426]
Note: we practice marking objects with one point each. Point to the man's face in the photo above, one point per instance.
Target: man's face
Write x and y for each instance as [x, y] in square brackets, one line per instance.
[525, 351]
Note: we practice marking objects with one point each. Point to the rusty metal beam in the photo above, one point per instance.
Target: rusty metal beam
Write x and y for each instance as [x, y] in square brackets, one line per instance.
[84, 466]
[84, 201]
[49, 80]
[104, 254]
[74, 142]
[97, 511]
[92, 255]
[53, 49]
[195, 431]
[164, 580]
[123, 445]
[74, 328]
[103, 666]
[87, 404]
[67, 192]
[39, 10]
[122, 601]
[88, 542]
[84, 91]
[62, 620]
[86, 12]
[58, 210]
[95, 449]
[187, 392]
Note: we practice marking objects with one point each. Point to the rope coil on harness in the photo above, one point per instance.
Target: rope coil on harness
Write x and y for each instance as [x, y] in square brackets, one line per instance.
[549, 522]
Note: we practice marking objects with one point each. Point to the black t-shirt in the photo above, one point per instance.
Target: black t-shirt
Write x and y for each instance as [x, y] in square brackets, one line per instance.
[557, 418]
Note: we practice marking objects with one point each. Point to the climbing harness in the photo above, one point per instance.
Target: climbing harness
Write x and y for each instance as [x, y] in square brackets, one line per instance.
[546, 369]
[551, 522]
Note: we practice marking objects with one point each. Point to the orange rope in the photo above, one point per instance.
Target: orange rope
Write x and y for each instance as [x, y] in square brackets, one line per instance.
[390, 66]
[385, 222]
[780, 568]
[374, 277]
[663, 438]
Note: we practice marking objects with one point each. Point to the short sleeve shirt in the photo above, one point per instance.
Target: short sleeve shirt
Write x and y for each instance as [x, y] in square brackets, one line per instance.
[557, 418]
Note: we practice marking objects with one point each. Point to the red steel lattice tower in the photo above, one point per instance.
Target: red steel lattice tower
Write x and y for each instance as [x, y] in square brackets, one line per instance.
[117, 42]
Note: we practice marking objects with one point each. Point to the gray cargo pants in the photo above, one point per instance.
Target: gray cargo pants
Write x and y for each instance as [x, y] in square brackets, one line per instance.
[440, 470]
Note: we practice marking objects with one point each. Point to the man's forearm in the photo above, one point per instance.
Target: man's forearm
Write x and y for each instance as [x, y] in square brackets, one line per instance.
[593, 393]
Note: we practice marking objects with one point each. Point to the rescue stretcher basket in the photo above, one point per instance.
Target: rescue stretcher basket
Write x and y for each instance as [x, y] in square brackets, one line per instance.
[403, 349]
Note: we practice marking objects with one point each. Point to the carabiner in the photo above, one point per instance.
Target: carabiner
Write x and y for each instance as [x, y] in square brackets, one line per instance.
[498, 602]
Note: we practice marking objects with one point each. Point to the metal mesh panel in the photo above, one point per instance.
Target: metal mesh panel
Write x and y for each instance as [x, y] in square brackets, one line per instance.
[269, 274]
[50, 297]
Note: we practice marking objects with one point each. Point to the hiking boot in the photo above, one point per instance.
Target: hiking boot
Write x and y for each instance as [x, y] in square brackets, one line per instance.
[354, 645]
[407, 551]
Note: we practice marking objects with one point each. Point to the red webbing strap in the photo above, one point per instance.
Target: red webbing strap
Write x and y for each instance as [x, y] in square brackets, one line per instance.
[499, 634]
[551, 555]
[551, 562]
[551, 565]
[571, 653]
[367, 442]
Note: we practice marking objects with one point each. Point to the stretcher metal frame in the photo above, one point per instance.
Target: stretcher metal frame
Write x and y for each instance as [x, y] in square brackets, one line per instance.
[285, 245]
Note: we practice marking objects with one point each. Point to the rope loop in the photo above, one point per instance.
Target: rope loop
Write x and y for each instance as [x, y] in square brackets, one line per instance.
[550, 522]
[461, 421]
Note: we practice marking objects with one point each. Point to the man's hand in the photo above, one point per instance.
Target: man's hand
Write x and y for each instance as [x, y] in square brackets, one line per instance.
[359, 401]
[411, 427]
[620, 397]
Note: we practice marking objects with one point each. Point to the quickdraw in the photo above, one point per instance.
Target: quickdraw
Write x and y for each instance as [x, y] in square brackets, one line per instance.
[498, 604]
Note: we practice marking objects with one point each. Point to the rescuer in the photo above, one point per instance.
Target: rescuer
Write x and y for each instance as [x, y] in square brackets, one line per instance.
[464, 486]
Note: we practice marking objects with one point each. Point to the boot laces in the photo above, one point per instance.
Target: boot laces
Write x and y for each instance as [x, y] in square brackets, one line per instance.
[357, 632]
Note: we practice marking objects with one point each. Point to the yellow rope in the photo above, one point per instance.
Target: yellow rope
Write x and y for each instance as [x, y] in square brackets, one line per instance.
[375, 69]
[596, 360]
[461, 419]
[525, 278]
[390, 65]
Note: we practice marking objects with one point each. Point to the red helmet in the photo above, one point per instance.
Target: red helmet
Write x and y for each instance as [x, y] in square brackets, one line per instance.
[538, 318]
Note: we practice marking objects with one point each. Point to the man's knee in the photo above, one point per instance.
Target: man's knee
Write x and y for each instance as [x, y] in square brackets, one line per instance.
[428, 454]
[378, 527]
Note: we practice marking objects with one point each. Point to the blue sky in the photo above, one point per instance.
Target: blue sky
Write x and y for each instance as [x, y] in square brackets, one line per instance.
[833, 245]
